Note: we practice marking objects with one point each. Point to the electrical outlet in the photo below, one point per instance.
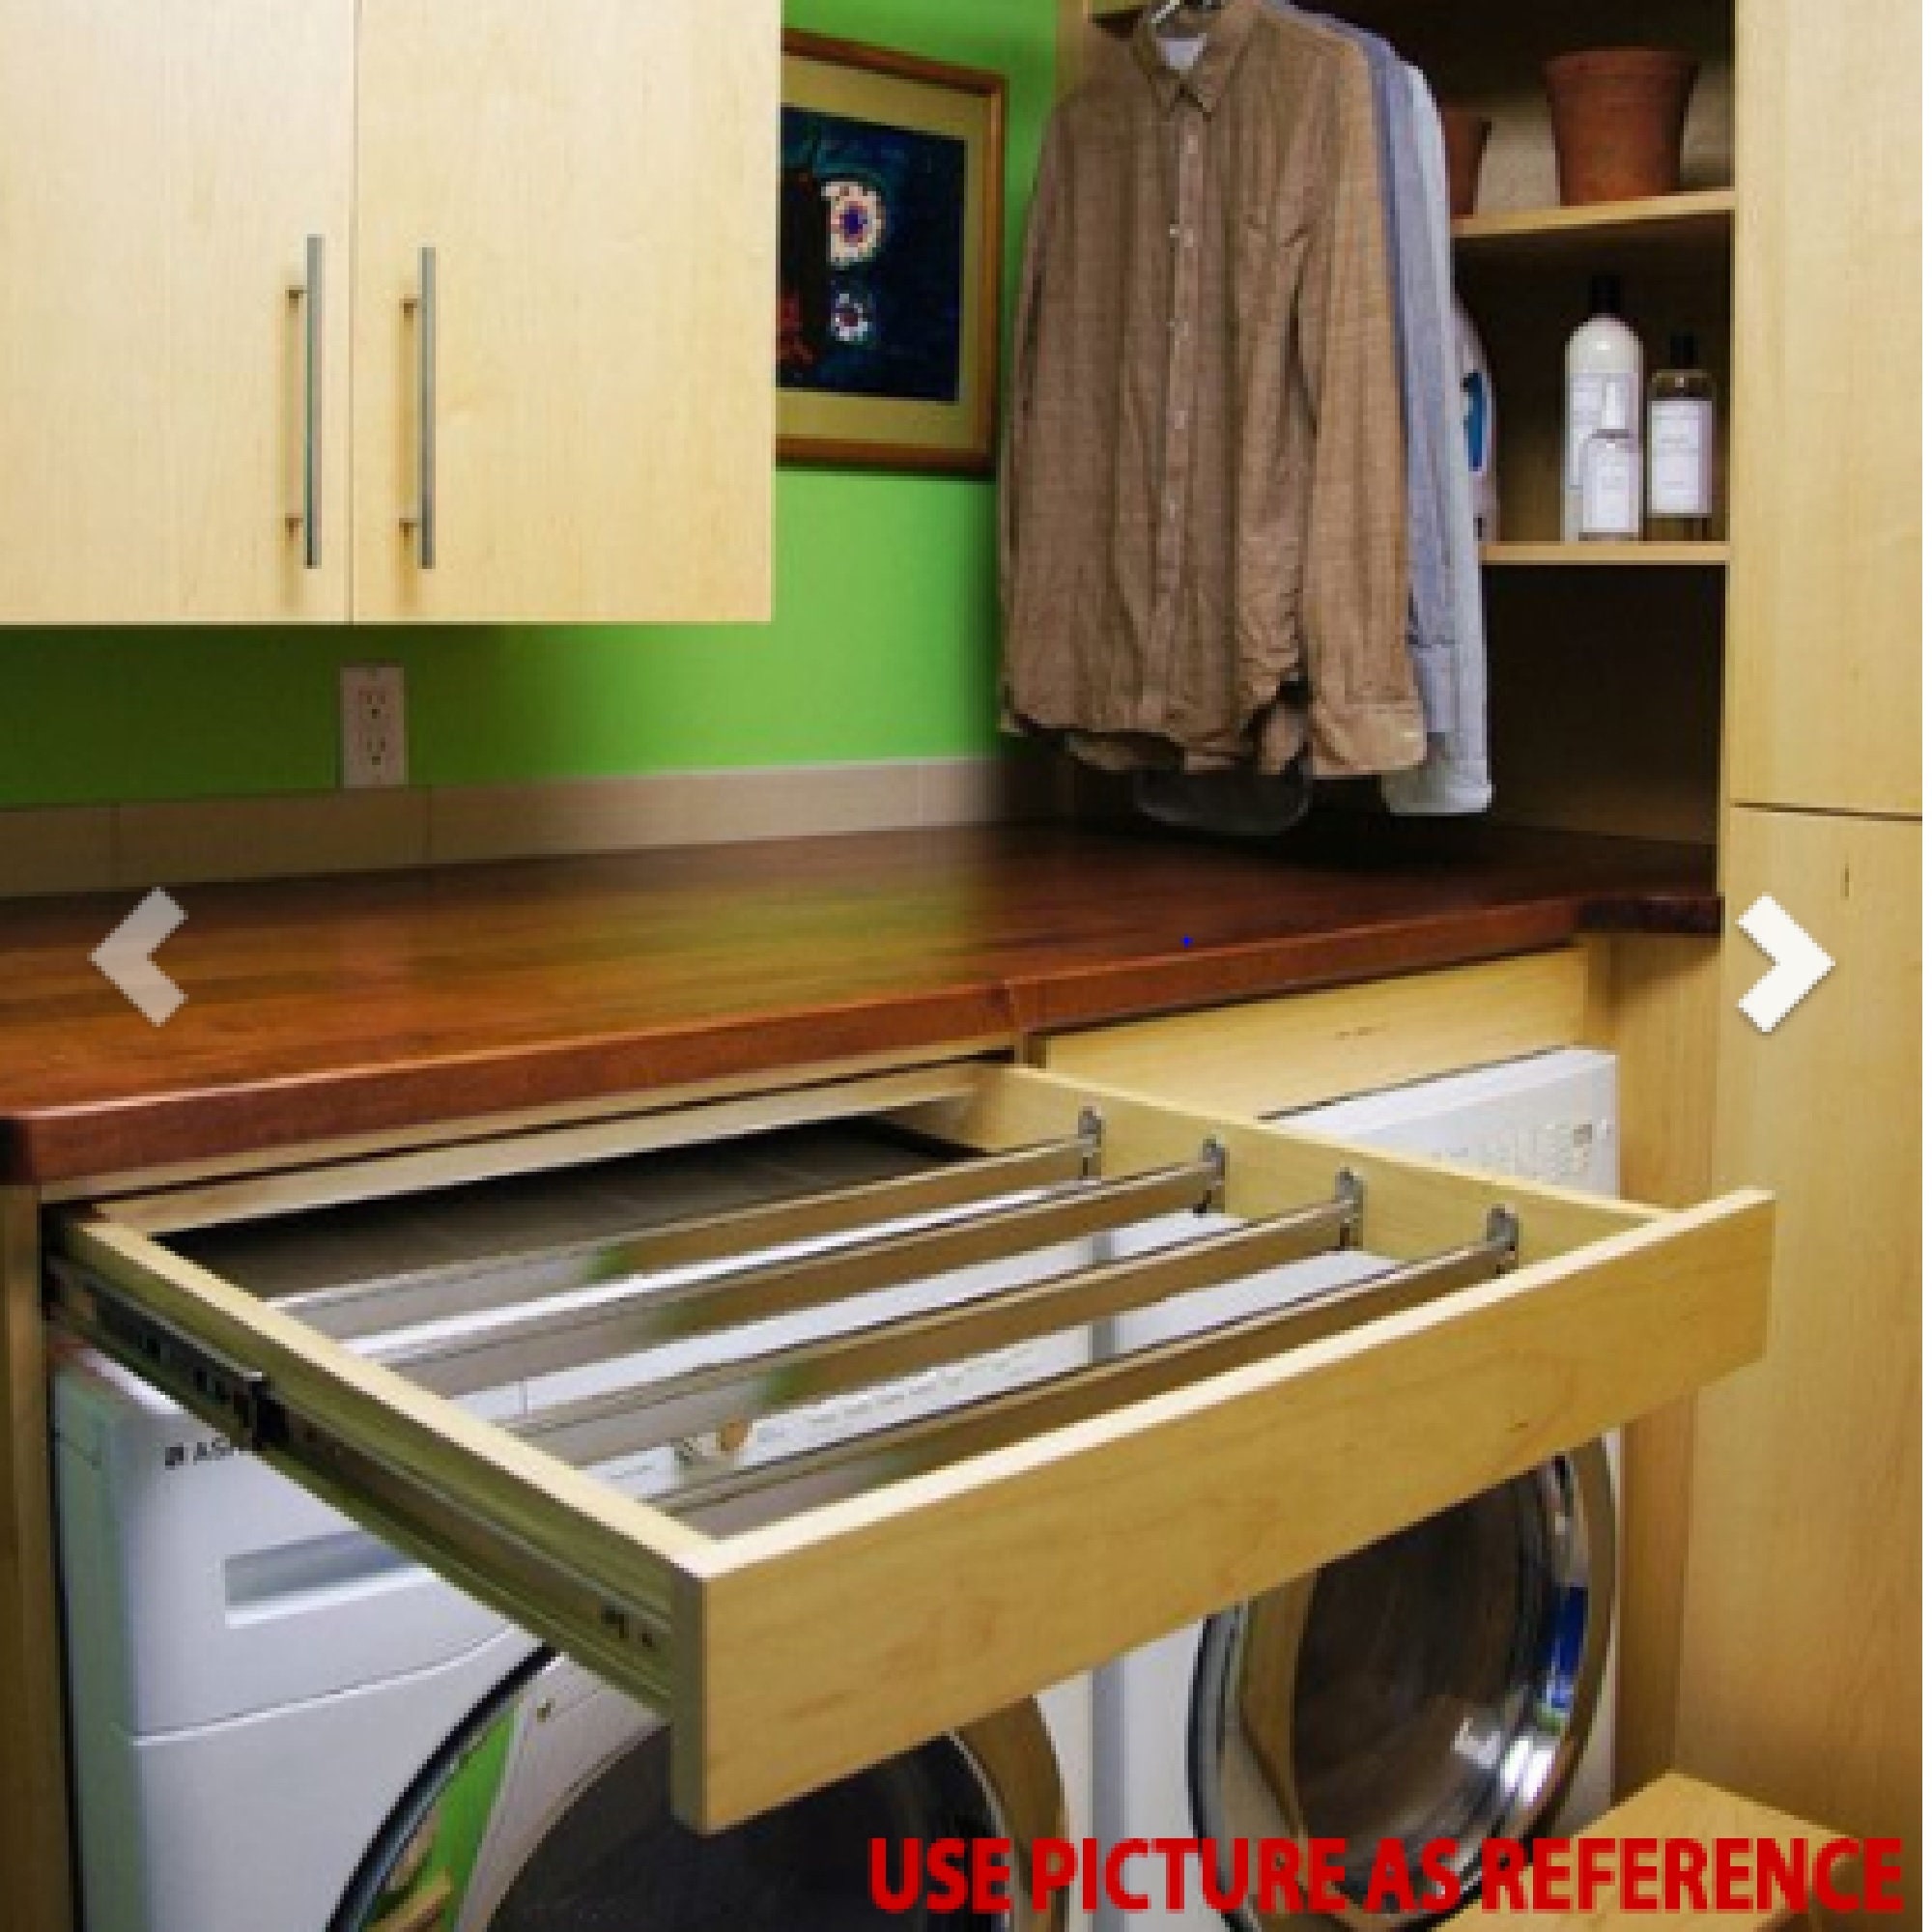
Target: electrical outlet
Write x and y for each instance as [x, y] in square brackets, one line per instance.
[375, 727]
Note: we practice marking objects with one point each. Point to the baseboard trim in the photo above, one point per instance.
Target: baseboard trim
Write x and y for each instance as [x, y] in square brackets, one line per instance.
[116, 848]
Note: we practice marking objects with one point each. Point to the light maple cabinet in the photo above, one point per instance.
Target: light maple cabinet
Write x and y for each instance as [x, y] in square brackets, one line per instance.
[227, 393]
[1800, 1672]
[1801, 1678]
[584, 408]
[163, 167]
[1825, 678]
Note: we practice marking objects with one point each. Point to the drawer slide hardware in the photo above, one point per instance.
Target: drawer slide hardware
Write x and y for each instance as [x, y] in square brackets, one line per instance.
[203, 1380]
[560, 1601]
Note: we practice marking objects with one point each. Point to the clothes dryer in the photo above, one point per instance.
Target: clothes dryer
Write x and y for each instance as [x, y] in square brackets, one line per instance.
[1451, 1682]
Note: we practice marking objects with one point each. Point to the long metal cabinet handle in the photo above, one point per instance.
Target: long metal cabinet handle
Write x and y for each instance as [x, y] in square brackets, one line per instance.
[423, 302]
[310, 296]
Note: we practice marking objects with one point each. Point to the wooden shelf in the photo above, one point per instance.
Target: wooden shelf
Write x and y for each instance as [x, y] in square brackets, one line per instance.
[1606, 556]
[1695, 223]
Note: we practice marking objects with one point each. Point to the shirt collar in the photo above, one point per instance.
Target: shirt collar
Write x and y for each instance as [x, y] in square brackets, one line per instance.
[1206, 81]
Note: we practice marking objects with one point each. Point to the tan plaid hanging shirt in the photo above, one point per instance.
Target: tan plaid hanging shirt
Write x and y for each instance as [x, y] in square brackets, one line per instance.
[1203, 525]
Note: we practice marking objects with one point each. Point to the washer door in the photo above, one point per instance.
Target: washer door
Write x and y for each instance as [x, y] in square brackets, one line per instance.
[1437, 1684]
[549, 1811]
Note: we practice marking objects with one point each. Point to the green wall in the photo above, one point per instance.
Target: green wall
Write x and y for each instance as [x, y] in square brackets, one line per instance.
[883, 645]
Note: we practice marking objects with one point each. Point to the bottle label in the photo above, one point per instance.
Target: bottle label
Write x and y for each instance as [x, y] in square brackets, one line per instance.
[1681, 442]
[1586, 414]
[1612, 494]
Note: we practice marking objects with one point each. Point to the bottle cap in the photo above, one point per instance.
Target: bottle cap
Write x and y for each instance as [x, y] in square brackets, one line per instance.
[1606, 294]
[1683, 350]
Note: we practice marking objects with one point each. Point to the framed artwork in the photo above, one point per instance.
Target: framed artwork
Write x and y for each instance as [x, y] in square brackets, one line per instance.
[891, 227]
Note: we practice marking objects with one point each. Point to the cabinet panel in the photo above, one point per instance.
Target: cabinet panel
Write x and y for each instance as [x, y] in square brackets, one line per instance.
[1801, 1668]
[597, 179]
[162, 167]
[1657, 1011]
[1825, 680]
[1267, 1056]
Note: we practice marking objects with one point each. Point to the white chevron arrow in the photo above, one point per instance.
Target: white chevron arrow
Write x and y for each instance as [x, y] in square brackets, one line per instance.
[126, 958]
[1797, 962]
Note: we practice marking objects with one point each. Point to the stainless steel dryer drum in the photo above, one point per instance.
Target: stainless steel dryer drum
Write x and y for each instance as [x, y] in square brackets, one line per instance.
[1437, 1684]
[550, 1808]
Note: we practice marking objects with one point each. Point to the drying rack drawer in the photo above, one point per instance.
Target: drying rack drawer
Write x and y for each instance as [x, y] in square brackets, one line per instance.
[806, 1615]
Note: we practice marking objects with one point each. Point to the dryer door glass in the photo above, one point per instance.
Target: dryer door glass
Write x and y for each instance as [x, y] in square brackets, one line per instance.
[1436, 1686]
[549, 1811]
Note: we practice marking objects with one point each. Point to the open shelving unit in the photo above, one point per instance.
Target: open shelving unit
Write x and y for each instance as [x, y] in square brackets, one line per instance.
[1606, 661]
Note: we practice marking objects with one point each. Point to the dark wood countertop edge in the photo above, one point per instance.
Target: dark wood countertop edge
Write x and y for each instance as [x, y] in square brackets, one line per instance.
[1131, 989]
[1681, 915]
[1137, 989]
[279, 1114]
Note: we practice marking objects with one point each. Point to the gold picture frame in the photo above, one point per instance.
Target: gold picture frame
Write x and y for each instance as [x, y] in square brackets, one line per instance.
[892, 189]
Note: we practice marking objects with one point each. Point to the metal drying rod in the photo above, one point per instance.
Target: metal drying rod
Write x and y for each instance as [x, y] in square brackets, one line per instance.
[623, 1421]
[649, 1314]
[625, 1633]
[735, 1499]
[987, 1223]
[357, 1310]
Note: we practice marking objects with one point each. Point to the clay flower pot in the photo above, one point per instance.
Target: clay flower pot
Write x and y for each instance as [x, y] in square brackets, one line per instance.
[1619, 118]
[1465, 134]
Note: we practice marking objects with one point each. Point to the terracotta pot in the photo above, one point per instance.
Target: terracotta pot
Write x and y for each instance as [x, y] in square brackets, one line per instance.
[1465, 134]
[1619, 118]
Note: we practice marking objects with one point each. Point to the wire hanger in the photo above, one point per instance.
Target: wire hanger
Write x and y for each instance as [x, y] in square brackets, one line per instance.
[1165, 9]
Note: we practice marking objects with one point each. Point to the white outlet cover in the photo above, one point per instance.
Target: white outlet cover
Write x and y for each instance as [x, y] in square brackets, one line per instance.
[375, 727]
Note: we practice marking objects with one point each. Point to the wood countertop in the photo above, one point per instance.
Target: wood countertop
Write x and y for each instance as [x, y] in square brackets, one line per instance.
[325, 1008]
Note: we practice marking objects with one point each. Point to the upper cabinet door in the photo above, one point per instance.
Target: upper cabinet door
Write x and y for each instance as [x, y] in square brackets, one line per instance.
[566, 266]
[1823, 677]
[173, 395]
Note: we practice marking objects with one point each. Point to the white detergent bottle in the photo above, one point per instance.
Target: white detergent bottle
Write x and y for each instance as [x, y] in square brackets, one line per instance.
[1605, 354]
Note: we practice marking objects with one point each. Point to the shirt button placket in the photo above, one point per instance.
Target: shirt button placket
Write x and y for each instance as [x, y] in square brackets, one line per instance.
[1184, 282]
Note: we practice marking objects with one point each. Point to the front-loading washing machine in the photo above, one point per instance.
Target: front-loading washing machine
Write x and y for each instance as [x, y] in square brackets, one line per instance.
[1452, 1682]
[279, 1722]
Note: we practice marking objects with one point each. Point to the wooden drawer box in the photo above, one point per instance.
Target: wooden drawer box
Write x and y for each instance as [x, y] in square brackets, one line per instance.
[812, 1614]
